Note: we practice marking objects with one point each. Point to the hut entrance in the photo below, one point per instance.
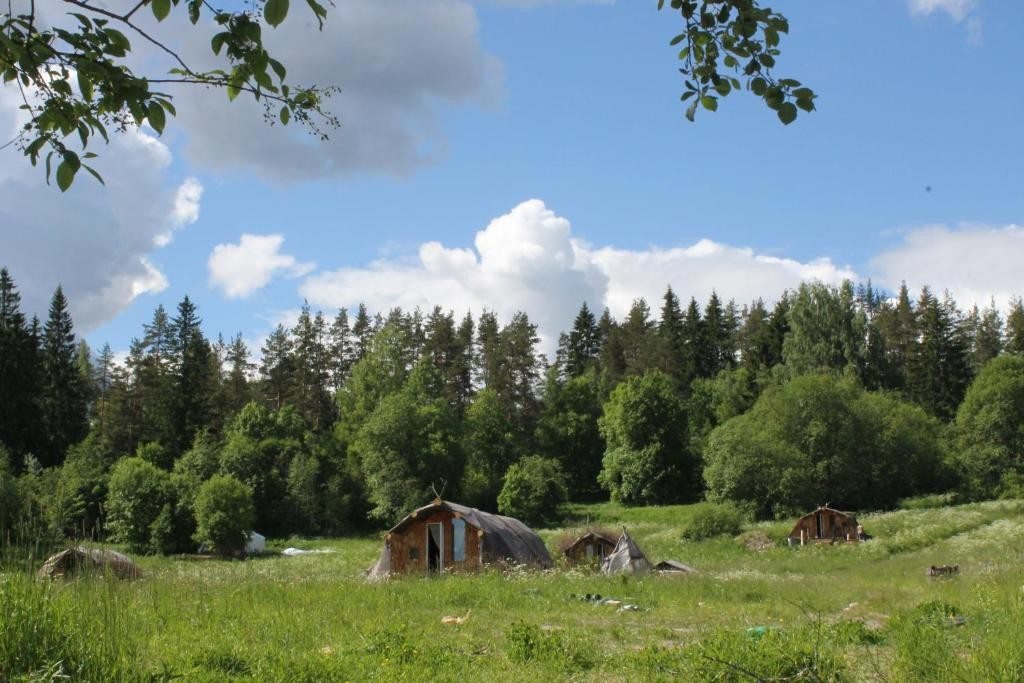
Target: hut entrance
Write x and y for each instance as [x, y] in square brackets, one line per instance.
[435, 541]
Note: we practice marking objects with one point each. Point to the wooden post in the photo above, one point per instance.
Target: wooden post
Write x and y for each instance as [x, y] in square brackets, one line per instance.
[802, 533]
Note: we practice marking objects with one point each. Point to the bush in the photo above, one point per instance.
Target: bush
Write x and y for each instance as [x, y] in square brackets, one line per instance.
[714, 519]
[138, 493]
[533, 491]
[10, 500]
[224, 514]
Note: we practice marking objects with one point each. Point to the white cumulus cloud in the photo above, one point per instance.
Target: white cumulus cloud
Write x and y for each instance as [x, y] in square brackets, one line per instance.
[976, 264]
[959, 10]
[529, 260]
[396, 63]
[97, 241]
[243, 268]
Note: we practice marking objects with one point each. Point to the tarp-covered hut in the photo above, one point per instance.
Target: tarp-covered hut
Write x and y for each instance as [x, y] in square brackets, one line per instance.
[825, 525]
[589, 548]
[255, 543]
[75, 561]
[445, 536]
[626, 558]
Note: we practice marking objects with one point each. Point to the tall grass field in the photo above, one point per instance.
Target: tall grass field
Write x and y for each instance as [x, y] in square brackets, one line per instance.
[752, 610]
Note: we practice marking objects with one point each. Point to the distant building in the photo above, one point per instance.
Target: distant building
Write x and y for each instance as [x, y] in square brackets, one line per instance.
[589, 548]
[825, 525]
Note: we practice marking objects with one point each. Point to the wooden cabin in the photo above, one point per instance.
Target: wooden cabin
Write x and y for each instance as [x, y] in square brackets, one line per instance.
[825, 525]
[445, 536]
[590, 548]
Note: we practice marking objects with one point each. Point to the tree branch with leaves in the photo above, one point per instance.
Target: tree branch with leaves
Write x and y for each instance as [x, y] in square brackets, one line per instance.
[75, 80]
[726, 40]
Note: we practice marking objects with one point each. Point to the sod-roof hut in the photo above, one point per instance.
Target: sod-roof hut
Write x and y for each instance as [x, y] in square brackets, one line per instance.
[445, 536]
[80, 560]
[824, 525]
[590, 547]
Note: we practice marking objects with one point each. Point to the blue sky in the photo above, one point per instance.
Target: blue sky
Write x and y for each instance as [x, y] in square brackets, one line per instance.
[539, 149]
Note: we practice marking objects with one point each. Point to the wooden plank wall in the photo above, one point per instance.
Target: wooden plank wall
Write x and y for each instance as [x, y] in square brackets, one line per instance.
[414, 536]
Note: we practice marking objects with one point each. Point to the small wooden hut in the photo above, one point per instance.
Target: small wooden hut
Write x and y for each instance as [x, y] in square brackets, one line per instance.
[77, 561]
[445, 536]
[589, 548]
[825, 525]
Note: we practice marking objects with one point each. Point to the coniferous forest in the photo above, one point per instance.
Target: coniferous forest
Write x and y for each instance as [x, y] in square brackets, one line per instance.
[348, 420]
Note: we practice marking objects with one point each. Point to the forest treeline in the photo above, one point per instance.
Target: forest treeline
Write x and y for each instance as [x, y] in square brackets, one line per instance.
[344, 423]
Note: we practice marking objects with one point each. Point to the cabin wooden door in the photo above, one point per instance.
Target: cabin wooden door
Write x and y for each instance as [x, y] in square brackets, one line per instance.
[435, 548]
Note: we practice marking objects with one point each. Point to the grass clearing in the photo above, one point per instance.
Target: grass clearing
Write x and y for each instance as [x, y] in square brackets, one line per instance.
[853, 612]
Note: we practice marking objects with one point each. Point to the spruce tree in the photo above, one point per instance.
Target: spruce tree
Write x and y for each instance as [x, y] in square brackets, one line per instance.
[637, 333]
[64, 391]
[987, 342]
[19, 375]
[582, 344]
[193, 378]
[362, 331]
[1015, 328]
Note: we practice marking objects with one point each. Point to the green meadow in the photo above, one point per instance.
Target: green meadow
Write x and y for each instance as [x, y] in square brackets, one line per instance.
[852, 612]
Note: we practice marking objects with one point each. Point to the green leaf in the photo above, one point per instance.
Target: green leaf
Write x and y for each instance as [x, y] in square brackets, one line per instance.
[709, 103]
[691, 111]
[286, 115]
[155, 114]
[678, 39]
[787, 113]
[275, 11]
[278, 68]
[65, 175]
[758, 86]
[94, 173]
[161, 8]
[218, 42]
[806, 105]
[723, 87]
[85, 85]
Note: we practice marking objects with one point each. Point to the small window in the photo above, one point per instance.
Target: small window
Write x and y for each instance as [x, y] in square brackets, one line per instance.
[414, 553]
[458, 540]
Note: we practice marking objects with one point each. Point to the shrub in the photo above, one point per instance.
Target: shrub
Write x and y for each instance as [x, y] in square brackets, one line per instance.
[534, 490]
[224, 514]
[138, 492]
[713, 519]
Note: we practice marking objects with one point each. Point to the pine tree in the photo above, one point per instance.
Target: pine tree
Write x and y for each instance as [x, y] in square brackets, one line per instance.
[672, 351]
[64, 392]
[488, 352]
[277, 368]
[310, 394]
[637, 335]
[612, 357]
[362, 331]
[987, 342]
[341, 350]
[756, 347]
[716, 347]
[938, 372]
[236, 387]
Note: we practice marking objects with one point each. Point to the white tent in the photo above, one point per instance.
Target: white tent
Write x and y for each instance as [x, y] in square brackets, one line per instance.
[626, 558]
[256, 543]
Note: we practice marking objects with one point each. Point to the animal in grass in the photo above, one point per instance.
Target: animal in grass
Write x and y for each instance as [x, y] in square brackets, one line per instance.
[943, 570]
